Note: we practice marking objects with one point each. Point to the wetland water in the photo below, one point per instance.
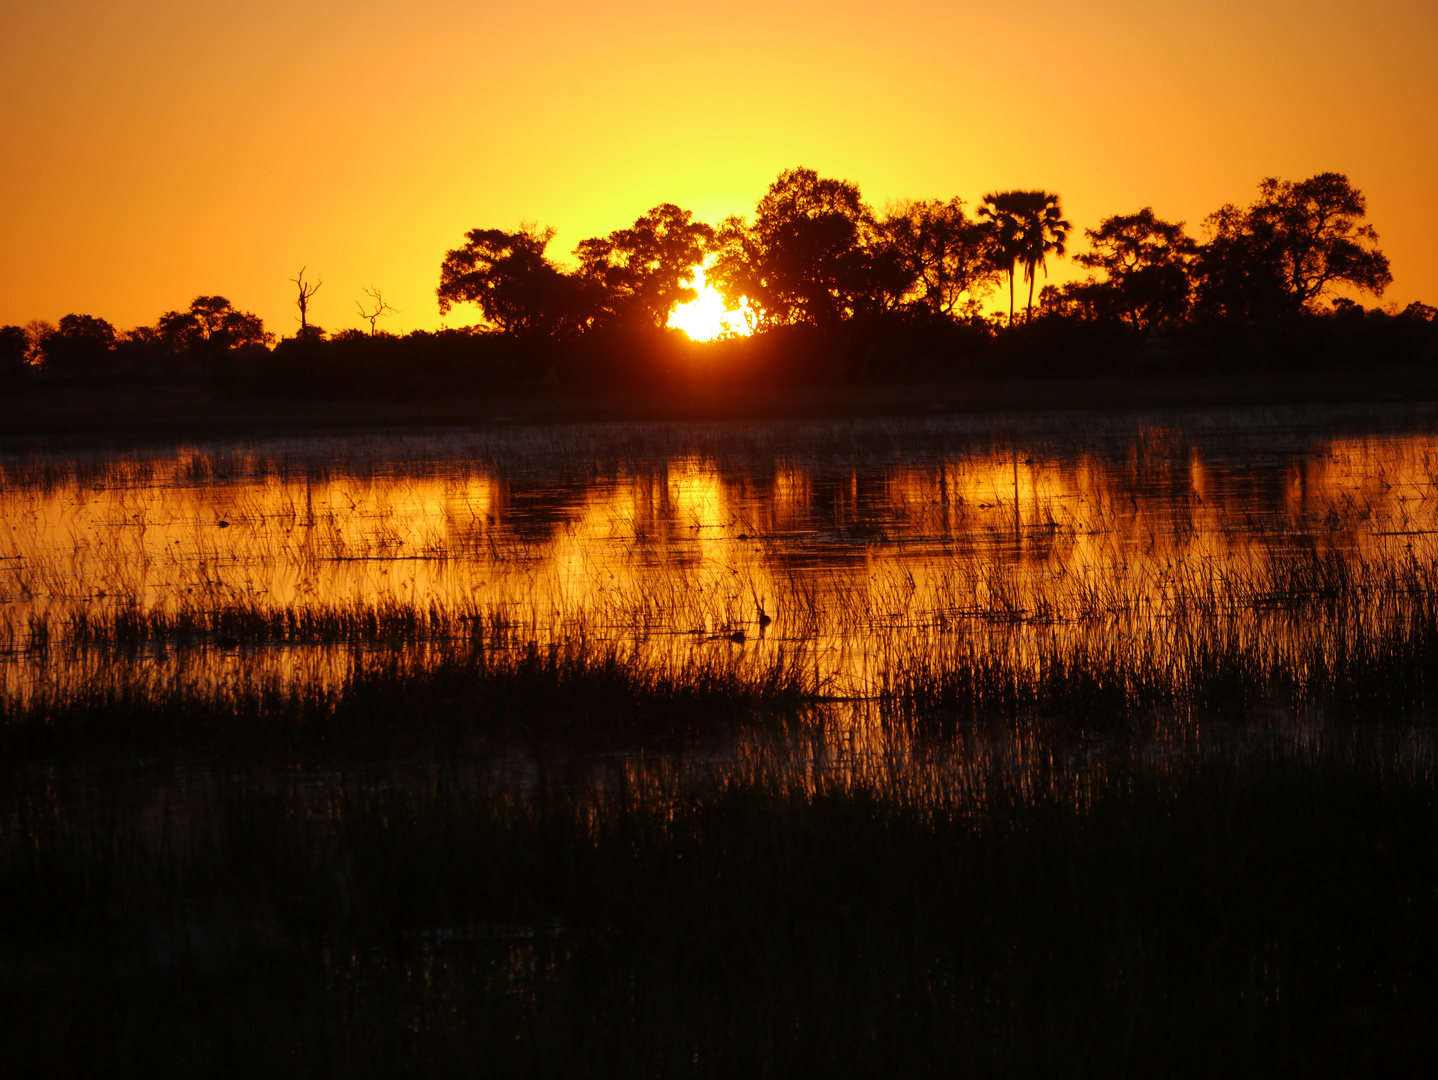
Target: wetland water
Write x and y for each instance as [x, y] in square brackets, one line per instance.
[846, 546]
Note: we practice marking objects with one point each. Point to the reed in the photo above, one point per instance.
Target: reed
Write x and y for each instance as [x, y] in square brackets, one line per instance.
[392, 700]
[1236, 913]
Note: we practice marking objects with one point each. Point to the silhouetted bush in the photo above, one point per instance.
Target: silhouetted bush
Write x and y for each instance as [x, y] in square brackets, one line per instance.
[1348, 338]
[356, 365]
[14, 350]
[82, 347]
[1060, 346]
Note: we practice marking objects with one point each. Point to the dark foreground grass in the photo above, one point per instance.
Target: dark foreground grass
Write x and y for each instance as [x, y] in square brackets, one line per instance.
[570, 861]
[394, 702]
[1270, 911]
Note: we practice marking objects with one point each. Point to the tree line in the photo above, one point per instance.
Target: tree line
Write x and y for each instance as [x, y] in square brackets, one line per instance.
[816, 253]
[830, 288]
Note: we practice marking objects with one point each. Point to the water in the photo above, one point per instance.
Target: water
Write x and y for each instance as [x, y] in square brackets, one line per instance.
[846, 542]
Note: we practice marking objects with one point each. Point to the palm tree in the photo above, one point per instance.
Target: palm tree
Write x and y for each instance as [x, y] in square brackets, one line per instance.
[1028, 226]
[1044, 231]
[1001, 212]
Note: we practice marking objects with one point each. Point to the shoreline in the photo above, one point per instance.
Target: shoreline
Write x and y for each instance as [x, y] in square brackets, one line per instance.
[48, 412]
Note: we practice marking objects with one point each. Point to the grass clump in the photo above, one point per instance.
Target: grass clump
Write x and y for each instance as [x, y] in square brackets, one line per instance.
[1214, 672]
[577, 692]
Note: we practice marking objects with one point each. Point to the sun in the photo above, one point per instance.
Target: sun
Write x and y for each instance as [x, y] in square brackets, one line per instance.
[706, 318]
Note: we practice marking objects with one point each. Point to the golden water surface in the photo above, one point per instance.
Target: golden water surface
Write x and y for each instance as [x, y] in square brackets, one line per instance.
[844, 543]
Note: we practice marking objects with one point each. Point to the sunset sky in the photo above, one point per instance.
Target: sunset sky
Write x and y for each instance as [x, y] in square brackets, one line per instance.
[155, 150]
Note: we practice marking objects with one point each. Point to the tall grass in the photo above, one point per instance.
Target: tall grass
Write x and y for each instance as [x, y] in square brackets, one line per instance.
[388, 701]
[1240, 914]
[1317, 636]
[1216, 674]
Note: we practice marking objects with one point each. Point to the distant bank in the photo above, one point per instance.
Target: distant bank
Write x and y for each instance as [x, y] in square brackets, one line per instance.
[186, 413]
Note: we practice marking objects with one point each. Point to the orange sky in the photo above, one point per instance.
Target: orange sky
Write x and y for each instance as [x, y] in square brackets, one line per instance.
[155, 150]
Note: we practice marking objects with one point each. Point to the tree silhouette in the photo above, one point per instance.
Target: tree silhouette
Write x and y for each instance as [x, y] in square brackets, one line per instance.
[641, 273]
[1028, 226]
[302, 301]
[1290, 249]
[14, 352]
[37, 330]
[999, 212]
[518, 290]
[380, 307]
[80, 345]
[1237, 275]
[810, 255]
[1145, 260]
[1320, 241]
[943, 255]
[212, 324]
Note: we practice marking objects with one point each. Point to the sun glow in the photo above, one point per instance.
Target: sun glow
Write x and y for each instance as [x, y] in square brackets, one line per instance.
[706, 318]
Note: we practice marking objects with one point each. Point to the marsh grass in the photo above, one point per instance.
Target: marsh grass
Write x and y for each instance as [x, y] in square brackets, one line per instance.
[416, 765]
[1075, 854]
[1238, 913]
[1220, 674]
[1305, 634]
[576, 693]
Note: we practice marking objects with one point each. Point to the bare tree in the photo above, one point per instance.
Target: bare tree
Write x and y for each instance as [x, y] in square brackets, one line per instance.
[380, 308]
[303, 301]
